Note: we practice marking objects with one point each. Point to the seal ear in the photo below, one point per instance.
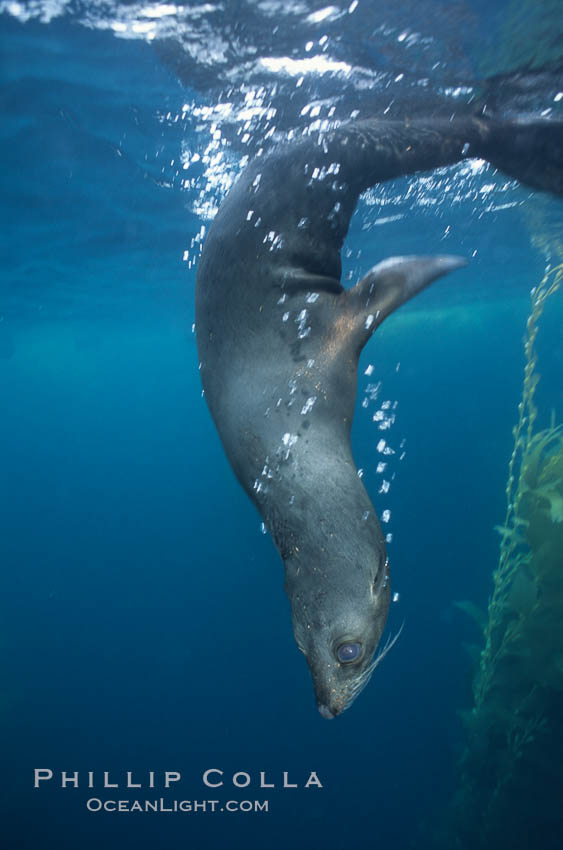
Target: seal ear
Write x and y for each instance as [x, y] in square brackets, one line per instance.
[389, 284]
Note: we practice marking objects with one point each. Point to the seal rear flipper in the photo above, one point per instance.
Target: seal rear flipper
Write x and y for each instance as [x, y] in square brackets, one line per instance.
[524, 115]
[388, 285]
[530, 150]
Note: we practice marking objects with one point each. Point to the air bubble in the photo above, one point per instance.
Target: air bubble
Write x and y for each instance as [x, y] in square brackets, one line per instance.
[289, 439]
[308, 406]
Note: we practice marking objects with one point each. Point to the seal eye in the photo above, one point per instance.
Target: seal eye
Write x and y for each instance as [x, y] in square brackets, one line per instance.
[348, 652]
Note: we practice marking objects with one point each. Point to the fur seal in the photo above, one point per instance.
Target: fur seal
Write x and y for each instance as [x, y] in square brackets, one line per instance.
[279, 340]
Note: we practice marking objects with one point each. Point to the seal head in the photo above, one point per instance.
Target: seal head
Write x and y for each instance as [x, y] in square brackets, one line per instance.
[340, 651]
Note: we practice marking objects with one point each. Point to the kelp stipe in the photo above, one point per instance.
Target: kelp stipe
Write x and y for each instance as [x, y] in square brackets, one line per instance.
[509, 775]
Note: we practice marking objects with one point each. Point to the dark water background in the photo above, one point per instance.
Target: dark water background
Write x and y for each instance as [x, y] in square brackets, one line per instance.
[143, 621]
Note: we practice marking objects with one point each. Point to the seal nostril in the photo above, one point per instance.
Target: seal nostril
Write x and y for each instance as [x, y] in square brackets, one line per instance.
[326, 712]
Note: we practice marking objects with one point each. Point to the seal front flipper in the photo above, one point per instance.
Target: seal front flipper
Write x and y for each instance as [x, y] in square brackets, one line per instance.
[388, 285]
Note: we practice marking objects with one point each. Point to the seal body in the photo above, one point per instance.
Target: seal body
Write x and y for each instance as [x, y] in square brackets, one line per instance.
[279, 340]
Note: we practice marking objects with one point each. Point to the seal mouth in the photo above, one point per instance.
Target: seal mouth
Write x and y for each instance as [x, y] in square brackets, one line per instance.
[326, 712]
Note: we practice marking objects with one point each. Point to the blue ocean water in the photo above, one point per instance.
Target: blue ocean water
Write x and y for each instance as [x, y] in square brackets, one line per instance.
[144, 624]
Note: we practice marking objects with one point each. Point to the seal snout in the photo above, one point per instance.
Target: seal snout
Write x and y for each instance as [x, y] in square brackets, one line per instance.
[326, 712]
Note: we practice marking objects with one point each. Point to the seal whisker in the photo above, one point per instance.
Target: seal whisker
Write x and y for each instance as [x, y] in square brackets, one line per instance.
[390, 643]
[358, 686]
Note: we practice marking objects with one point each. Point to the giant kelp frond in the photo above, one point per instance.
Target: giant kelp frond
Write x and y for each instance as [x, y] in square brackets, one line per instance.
[530, 449]
[513, 733]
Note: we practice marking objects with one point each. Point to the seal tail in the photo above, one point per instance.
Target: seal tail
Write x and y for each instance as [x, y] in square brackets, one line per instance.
[523, 111]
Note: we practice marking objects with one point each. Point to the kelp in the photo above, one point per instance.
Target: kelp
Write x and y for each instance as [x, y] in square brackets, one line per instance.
[509, 777]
